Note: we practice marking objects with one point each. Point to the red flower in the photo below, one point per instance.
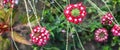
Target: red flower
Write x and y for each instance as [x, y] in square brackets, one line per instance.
[12, 2]
[101, 35]
[116, 30]
[70, 13]
[39, 36]
[107, 19]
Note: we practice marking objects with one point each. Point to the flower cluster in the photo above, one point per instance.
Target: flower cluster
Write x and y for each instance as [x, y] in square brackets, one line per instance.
[101, 35]
[107, 19]
[75, 13]
[116, 30]
[39, 35]
[12, 2]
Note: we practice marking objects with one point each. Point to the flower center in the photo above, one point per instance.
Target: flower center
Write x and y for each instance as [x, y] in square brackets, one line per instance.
[75, 12]
[107, 21]
[101, 35]
[36, 34]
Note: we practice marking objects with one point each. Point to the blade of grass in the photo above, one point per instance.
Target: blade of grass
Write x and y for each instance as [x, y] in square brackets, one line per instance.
[80, 42]
[34, 11]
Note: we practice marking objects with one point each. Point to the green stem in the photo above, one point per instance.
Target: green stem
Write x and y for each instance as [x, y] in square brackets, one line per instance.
[34, 11]
[73, 42]
[11, 21]
[79, 39]
[53, 5]
[67, 35]
[43, 13]
[95, 6]
[28, 17]
[59, 5]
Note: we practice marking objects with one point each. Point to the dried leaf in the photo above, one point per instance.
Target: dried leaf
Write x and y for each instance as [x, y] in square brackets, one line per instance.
[18, 38]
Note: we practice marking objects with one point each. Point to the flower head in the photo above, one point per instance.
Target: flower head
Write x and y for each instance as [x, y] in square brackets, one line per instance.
[75, 13]
[107, 19]
[11, 2]
[101, 35]
[116, 30]
[39, 36]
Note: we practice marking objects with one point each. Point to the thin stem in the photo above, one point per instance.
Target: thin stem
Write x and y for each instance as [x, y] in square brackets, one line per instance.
[12, 32]
[73, 42]
[95, 6]
[13, 40]
[71, 32]
[59, 4]
[28, 18]
[43, 12]
[68, 1]
[41, 48]
[79, 39]
[57, 8]
[67, 35]
[54, 6]
[34, 10]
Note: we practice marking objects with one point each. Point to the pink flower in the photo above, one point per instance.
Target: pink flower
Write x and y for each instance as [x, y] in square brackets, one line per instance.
[12, 2]
[39, 36]
[107, 19]
[101, 35]
[116, 30]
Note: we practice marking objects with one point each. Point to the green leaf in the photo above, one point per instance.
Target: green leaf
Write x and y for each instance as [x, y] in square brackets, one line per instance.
[4, 43]
[119, 48]
[2, 13]
[33, 20]
[35, 48]
[106, 47]
[91, 10]
[73, 30]
[52, 34]
[52, 48]
[94, 25]
[23, 19]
